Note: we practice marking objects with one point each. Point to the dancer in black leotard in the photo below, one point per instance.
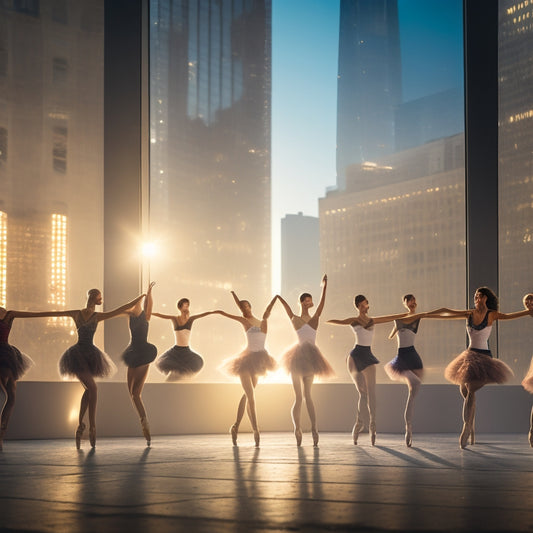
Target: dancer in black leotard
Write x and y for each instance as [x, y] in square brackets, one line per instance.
[138, 355]
[85, 361]
[180, 361]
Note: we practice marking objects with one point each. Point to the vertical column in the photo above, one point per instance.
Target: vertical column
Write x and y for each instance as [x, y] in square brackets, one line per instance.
[125, 157]
[481, 143]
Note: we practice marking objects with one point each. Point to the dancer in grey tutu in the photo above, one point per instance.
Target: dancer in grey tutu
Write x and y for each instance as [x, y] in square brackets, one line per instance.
[180, 362]
[253, 362]
[304, 361]
[475, 367]
[138, 355]
[85, 361]
[13, 363]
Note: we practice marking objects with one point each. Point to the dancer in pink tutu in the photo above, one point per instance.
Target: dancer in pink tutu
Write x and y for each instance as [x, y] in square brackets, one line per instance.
[138, 355]
[85, 361]
[13, 363]
[180, 362]
[253, 362]
[527, 382]
[362, 363]
[304, 361]
[475, 366]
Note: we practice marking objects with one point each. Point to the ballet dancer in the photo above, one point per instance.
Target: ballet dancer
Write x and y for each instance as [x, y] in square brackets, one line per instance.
[138, 355]
[361, 363]
[85, 361]
[13, 364]
[407, 365]
[527, 382]
[253, 362]
[475, 367]
[304, 361]
[180, 362]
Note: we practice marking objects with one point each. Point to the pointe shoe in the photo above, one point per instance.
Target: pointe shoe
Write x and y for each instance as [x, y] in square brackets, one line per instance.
[92, 437]
[356, 430]
[146, 431]
[408, 435]
[463, 439]
[79, 434]
[256, 438]
[314, 432]
[372, 430]
[298, 435]
[234, 432]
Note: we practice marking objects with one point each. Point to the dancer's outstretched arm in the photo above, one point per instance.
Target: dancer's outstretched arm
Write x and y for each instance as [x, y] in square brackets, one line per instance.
[342, 322]
[201, 315]
[266, 314]
[119, 310]
[321, 303]
[37, 314]
[287, 307]
[162, 315]
[149, 301]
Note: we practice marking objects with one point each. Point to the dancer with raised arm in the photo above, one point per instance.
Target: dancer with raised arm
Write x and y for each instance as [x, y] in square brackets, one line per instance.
[13, 363]
[180, 362]
[85, 361]
[253, 362]
[527, 382]
[304, 361]
[475, 367]
[407, 365]
[138, 355]
[362, 363]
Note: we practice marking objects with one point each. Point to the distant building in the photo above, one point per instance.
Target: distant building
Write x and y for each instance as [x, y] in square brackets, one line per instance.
[300, 256]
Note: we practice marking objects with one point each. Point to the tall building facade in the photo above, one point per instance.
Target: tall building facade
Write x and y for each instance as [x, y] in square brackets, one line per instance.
[369, 82]
[51, 167]
[210, 150]
[515, 174]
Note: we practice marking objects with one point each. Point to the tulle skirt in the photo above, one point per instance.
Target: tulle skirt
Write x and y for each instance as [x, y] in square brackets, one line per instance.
[13, 359]
[527, 382]
[179, 362]
[304, 360]
[472, 365]
[407, 359]
[83, 358]
[255, 363]
[139, 354]
[363, 357]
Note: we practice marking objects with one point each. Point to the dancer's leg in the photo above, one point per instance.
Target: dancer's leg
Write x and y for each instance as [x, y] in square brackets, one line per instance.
[413, 381]
[88, 400]
[469, 410]
[136, 380]
[9, 388]
[297, 408]
[308, 383]
[249, 382]
[362, 402]
[234, 429]
[531, 429]
[369, 374]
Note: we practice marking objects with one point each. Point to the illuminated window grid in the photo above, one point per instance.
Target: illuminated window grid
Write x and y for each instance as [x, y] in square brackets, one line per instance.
[58, 268]
[3, 258]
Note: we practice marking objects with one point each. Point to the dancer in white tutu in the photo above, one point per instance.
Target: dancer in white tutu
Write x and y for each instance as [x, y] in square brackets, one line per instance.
[180, 362]
[304, 361]
[527, 382]
[362, 363]
[13, 363]
[85, 361]
[138, 355]
[475, 366]
[251, 363]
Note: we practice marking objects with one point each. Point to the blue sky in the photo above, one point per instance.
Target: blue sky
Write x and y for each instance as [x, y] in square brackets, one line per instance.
[304, 90]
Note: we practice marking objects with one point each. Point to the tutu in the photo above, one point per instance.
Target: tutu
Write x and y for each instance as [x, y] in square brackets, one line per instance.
[407, 359]
[305, 359]
[14, 360]
[139, 352]
[255, 363]
[472, 365]
[527, 382]
[363, 357]
[179, 362]
[82, 358]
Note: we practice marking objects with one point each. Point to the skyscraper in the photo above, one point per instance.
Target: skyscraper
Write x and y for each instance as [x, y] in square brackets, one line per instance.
[369, 82]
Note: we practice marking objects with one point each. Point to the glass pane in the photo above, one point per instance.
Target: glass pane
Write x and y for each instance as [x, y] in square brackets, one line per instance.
[51, 169]
[515, 178]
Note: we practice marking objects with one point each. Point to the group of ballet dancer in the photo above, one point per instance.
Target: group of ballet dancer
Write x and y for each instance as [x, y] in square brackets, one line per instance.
[471, 370]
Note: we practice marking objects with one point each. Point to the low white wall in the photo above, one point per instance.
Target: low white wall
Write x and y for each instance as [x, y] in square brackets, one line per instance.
[46, 410]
